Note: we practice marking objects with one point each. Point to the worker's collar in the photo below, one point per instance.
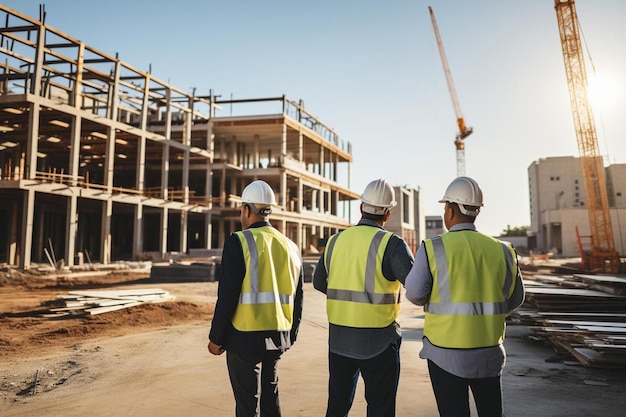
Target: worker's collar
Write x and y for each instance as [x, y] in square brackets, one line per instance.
[368, 222]
[259, 224]
[463, 226]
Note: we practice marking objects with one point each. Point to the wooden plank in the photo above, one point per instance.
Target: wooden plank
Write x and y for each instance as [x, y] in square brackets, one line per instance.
[602, 278]
[617, 348]
[576, 292]
[588, 323]
[118, 293]
[100, 310]
[603, 329]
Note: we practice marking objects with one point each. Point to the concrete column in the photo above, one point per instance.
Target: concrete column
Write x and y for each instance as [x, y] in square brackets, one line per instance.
[28, 214]
[208, 231]
[184, 218]
[257, 152]
[314, 200]
[36, 81]
[12, 249]
[141, 163]
[165, 169]
[299, 241]
[109, 160]
[72, 207]
[138, 231]
[235, 151]
[283, 191]
[30, 168]
[107, 212]
[72, 228]
[223, 189]
[163, 232]
[185, 179]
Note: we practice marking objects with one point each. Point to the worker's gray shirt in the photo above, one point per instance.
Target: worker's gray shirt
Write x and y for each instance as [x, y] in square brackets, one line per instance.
[465, 363]
[365, 343]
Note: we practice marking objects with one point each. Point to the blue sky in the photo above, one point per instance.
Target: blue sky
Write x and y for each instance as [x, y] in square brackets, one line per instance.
[371, 70]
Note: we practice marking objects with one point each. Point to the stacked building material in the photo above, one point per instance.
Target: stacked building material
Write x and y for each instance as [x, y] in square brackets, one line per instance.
[92, 302]
[582, 316]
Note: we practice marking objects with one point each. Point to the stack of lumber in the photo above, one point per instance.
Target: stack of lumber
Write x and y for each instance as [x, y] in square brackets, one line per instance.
[583, 316]
[79, 303]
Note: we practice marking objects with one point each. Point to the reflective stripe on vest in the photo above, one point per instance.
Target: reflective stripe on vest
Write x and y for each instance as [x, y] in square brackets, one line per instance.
[255, 296]
[446, 306]
[468, 306]
[364, 307]
[266, 301]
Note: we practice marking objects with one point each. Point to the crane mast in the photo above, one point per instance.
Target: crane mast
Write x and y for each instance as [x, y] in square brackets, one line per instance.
[464, 130]
[603, 255]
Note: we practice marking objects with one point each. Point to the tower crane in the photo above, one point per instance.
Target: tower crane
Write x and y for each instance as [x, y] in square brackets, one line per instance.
[464, 130]
[603, 255]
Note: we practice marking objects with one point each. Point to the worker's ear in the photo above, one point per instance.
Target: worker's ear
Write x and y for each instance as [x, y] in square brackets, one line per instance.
[450, 209]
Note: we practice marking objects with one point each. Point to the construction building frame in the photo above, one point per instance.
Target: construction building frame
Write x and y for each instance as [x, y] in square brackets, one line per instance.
[101, 162]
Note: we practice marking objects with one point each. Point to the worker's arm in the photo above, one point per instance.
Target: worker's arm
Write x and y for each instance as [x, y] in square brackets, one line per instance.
[297, 307]
[517, 298]
[419, 281]
[320, 276]
[232, 272]
[397, 260]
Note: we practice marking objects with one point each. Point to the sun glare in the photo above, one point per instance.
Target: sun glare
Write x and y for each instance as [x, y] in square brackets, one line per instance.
[604, 92]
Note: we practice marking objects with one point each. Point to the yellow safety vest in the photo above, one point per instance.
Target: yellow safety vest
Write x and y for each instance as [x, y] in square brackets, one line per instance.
[273, 267]
[473, 277]
[358, 295]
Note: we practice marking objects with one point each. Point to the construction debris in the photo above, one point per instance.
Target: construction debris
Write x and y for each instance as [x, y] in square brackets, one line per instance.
[581, 316]
[92, 302]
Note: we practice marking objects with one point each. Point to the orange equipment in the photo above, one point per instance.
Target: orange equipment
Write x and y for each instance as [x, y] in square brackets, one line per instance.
[464, 131]
[603, 256]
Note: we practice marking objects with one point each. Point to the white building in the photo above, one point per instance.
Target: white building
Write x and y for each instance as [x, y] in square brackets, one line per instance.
[557, 206]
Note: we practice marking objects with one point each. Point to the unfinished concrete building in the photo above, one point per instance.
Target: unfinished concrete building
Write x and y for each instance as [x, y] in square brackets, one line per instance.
[408, 220]
[100, 161]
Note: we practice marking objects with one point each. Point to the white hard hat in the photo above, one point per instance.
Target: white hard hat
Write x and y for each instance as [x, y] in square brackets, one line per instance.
[465, 192]
[378, 197]
[258, 193]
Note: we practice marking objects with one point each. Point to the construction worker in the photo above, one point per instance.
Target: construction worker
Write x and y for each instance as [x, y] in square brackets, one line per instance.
[361, 272]
[467, 282]
[259, 304]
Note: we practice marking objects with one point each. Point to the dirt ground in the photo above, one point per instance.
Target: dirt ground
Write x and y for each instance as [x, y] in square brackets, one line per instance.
[25, 333]
[151, 360]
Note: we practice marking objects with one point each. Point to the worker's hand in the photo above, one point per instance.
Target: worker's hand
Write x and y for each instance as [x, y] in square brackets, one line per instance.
[215, 349]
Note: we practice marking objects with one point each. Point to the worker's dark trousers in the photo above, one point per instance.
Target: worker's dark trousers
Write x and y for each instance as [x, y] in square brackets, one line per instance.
[380, 374]
[452, 393]
[250, 398]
